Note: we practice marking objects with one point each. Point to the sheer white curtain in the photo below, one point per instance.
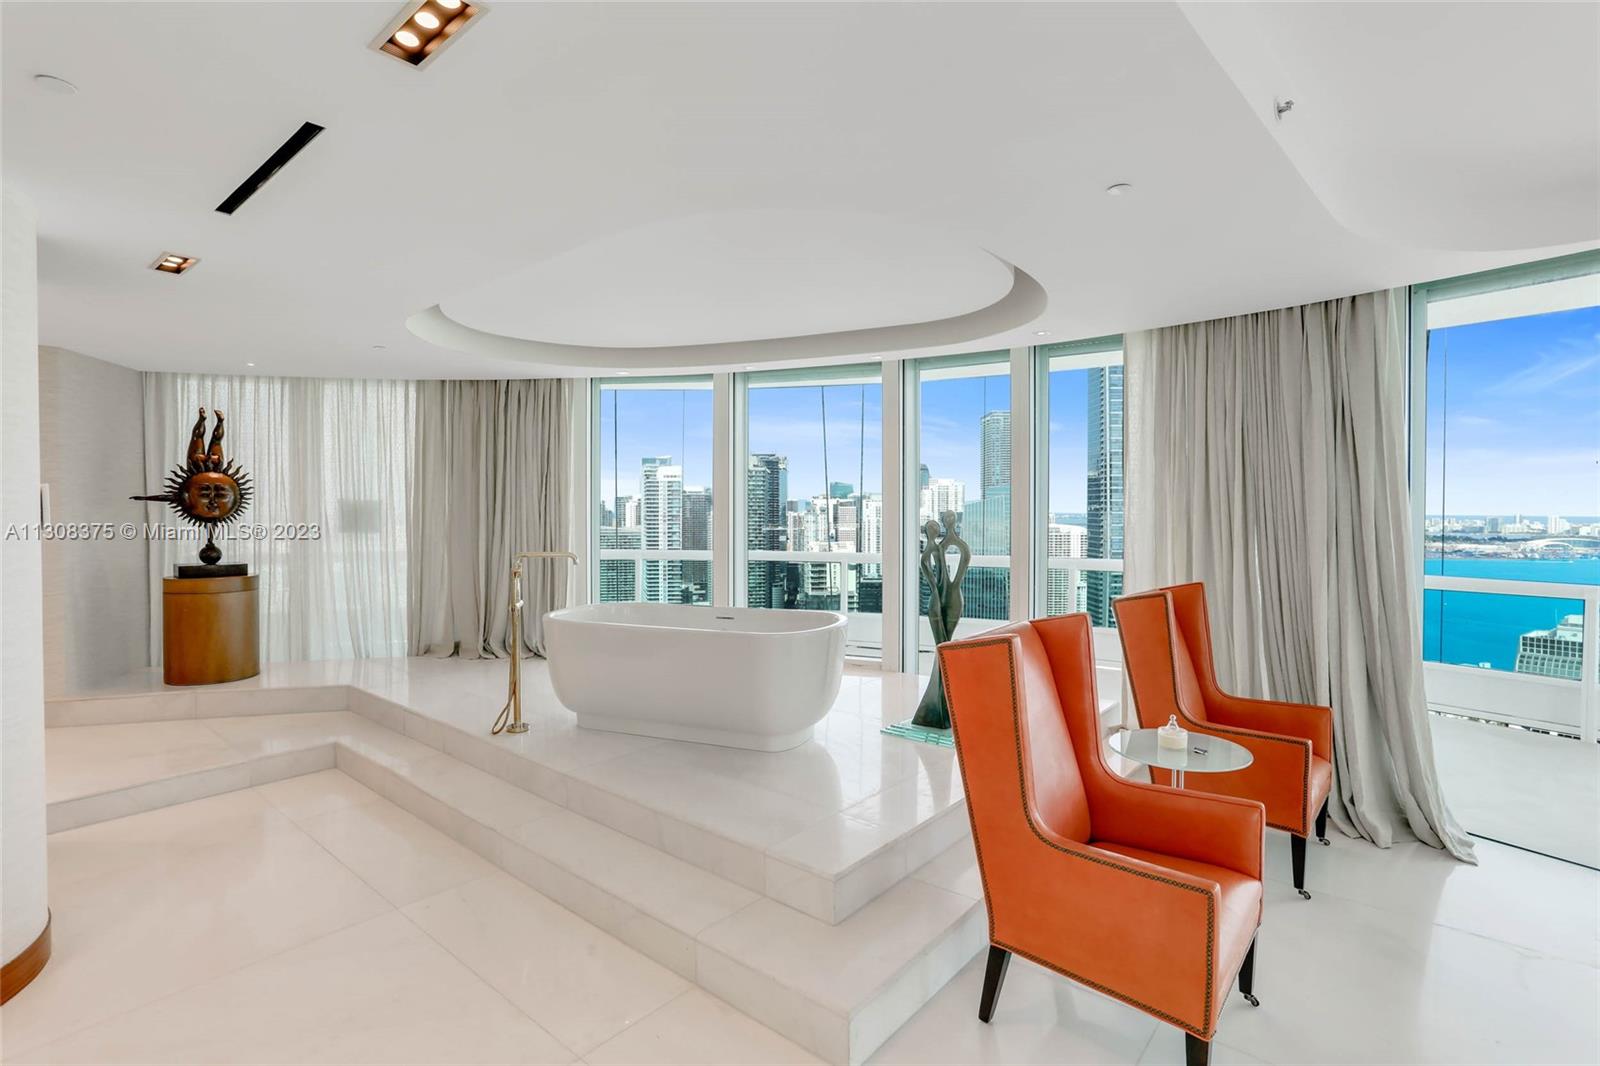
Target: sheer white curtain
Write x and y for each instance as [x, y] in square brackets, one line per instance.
[328, 459]
[1266, 456]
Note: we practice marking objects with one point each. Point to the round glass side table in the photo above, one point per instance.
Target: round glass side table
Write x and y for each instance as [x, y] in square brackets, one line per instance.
[1202, 755]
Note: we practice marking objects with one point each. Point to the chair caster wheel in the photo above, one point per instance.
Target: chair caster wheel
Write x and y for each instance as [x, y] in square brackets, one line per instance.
[1324, 841]
[1253, 1001]
[1303, 893]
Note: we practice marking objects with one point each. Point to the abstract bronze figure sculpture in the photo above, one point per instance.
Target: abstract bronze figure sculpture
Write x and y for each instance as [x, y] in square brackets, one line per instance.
[945, 605]
[207, 490]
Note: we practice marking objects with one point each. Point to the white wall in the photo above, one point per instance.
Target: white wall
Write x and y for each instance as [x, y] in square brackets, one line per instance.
[23, 905]
[96, 592]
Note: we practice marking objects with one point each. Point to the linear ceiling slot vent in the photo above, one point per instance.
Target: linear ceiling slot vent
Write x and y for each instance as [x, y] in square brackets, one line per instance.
[274, 163]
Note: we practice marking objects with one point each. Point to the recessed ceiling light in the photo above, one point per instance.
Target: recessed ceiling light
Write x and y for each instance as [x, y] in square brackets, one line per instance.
[249, 364]
[624, 373]
[1041, 333]
[424, 27]
[51, 84]
[1118, 189]
[173, 263]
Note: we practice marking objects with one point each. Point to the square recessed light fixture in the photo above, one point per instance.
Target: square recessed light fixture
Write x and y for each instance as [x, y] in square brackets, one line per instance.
[424, 27]
[173, 263]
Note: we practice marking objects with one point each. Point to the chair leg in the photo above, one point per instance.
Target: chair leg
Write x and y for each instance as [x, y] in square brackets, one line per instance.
[994, 975]
[1298, 845]
[1247, 974]
[1196, 1052]
[1322, 824]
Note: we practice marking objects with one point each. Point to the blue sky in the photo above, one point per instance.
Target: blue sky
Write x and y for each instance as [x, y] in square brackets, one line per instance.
[788, 421]
[675, 422]
[952, 416]
[1516, 404]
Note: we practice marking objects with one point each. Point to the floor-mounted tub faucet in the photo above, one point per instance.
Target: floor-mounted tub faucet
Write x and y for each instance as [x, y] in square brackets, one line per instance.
[513, 707]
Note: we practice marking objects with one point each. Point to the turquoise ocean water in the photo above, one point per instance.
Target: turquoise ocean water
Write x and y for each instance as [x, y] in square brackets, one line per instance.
[1471, 628]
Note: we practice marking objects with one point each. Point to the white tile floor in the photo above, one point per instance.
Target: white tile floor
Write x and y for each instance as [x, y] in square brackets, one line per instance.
[310, 920]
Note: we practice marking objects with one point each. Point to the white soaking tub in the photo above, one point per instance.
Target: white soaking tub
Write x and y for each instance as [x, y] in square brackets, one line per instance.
[739, 677]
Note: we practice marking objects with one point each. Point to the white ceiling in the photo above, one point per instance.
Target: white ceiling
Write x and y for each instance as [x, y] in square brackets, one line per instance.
[668, 282]
[587, 186]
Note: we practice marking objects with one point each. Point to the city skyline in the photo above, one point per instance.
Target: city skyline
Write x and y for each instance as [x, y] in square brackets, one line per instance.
[787, 421]
[797, 498]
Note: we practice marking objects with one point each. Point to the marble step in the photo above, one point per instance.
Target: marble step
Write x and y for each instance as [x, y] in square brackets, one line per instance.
[98, 772]
[708, 807]
[838, 989]
[210, 701]
[684, 800]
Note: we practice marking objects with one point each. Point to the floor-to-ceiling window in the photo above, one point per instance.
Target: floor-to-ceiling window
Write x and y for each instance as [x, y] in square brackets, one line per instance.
[652, 476]
[811, 469]
[1079, 531]
[1511, 501]
[963, 447]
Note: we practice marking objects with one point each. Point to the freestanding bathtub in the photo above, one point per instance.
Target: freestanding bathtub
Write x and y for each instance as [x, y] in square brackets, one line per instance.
[739, 677]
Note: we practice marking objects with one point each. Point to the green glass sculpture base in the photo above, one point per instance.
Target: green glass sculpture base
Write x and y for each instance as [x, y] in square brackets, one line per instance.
[944, 738]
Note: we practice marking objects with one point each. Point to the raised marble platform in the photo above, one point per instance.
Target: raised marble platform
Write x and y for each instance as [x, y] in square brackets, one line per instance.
[824, 828]
[838, 988]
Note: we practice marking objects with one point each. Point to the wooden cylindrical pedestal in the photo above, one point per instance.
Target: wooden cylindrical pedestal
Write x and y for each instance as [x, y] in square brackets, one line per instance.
[210, 629]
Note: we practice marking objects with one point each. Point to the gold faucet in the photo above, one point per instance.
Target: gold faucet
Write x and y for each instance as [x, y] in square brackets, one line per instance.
[513, 707]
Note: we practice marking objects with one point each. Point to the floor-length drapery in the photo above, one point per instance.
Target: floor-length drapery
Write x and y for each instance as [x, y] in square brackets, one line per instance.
[325, 530]
[1266, 456]
[489, 479]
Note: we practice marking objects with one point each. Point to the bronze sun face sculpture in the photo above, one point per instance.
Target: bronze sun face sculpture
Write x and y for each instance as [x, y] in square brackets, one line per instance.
[206, 490]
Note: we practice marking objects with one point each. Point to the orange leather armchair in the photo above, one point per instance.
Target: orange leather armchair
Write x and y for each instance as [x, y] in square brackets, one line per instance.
[1146, 894]
[1166, 650]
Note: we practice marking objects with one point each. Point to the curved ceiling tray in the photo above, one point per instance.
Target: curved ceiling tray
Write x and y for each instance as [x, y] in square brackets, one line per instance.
[1512, 163]
[1023, 302]
[739, 286]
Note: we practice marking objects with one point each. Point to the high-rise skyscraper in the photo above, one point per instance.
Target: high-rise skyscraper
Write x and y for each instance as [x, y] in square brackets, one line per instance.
[985, 522]
[697, 518]
[696, 537]
[628, 514]
[661, 526]
[994, 453]
[1064, 586]
[939, 495]
[618, 578]
[846, 524]
[1105, 490]
[766, 498]
[872, 528]
[1554, 652]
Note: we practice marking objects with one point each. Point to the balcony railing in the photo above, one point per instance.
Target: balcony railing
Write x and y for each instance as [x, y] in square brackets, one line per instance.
[1558, 704]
